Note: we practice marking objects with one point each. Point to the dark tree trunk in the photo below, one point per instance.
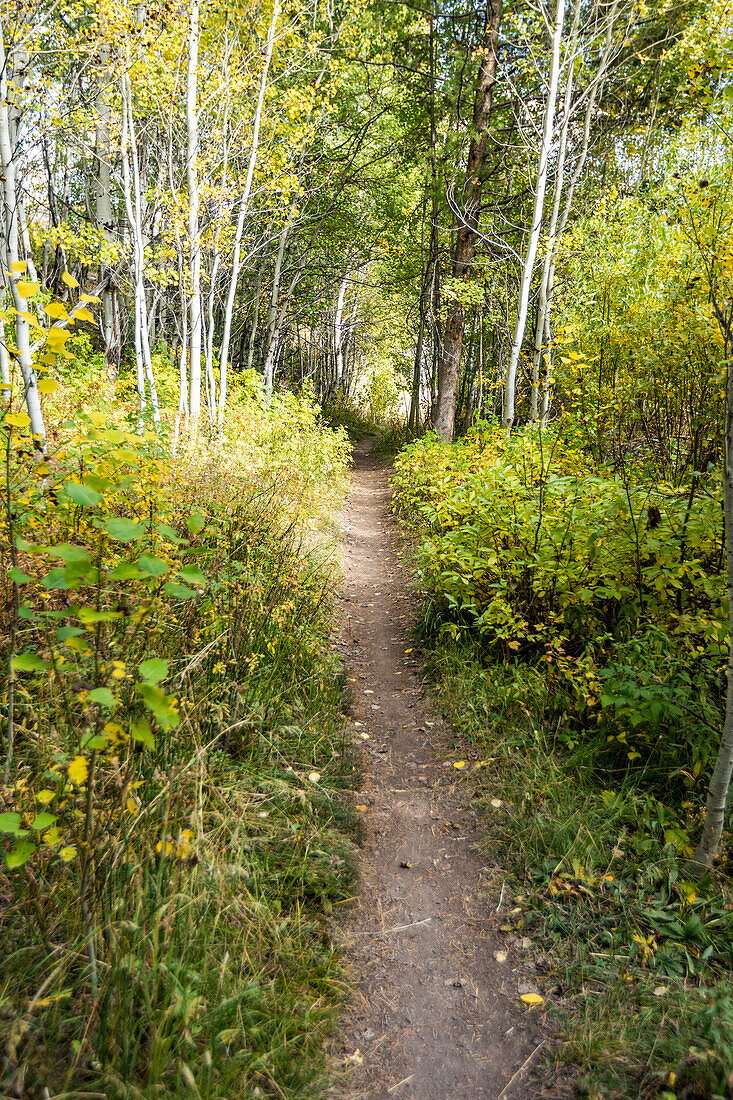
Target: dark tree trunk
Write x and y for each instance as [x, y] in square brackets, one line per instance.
[450, 360]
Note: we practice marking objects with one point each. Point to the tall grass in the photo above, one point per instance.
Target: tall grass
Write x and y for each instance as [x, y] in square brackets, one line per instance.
[173, 830]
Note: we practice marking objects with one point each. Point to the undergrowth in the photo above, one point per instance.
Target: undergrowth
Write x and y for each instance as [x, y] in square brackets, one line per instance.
[173, 833]
[577, 645]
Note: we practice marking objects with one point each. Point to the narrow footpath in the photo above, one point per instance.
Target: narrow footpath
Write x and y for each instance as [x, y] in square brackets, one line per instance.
[435, 1016]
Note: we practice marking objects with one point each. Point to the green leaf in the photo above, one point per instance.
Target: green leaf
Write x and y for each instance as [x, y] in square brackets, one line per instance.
[67, 552]
[94, 741]
[65, 632]
[10, 823]
[103, 696]
[124, 530]
[193, 575]
[170, 534]
[125, 571]
[28, 662]
[56, 579]
[20, 854]
[82, 494]
[18, 575]
[152, 567]
[43, 821]
[195, 523]
[178, 590]
[160, 705]
[154, 670]
[140, 731]
[89, 616]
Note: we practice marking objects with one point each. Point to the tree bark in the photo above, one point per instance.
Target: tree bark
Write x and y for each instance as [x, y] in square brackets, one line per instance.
[12, 255]
[243, 203]
[717, 799]
[510, 384]
[194, 229]
[467, 237]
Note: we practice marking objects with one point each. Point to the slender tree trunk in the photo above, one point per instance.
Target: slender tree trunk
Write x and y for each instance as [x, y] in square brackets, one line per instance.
[103, 216]
[720, 782]
[542, 308]
[338, 334]
[194, 230]
[134, 205]
[467, 237]
[255, 321]
[243, 203]
[273, 315]
[12, 257]
[510, 384]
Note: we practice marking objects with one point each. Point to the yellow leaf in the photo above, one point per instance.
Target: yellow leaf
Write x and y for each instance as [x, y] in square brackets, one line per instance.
[52, 836]
[27, 290]
[131, 806]
[532, 999]
[17, 420]
[57, 310]
[361, 809]
[57, 335]
[83, 314]
[460, 764]
[78, 770]
[89, 297]
[67, 854]
[47, 385]
[45, 796]
[18, 267]
[69, 279]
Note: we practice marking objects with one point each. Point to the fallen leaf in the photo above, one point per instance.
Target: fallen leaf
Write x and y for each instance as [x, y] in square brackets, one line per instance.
[361, 809]
[459, 764]
[532, 999]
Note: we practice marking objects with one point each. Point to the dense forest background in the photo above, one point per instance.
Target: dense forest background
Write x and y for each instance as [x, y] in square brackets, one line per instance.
[501, 235]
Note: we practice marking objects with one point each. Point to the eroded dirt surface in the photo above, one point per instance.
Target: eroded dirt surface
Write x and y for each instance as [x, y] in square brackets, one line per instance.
[435, 1016]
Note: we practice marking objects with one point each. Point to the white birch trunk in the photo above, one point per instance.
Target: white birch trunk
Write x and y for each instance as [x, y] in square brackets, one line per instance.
[255, 321]
[534, 410]
[133, 205]
[103, 213]
[558, 228]
[194, 230]
[243, 203]
[12, 256]
[273, 317]
[338, 331]
[510, 384]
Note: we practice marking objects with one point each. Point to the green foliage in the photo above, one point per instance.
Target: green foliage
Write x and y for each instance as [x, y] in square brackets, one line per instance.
[174, 694]
[635, 959]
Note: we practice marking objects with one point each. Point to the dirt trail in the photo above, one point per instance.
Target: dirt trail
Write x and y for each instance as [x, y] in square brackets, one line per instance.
[434, 1016]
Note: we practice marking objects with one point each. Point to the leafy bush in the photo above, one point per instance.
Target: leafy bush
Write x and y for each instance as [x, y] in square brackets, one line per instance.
[171, 826]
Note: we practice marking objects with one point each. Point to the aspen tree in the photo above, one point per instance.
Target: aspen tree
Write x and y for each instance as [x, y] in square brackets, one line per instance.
[16, 267]
[468, 235]
[242, 213]
[194, 229]
[536, 224]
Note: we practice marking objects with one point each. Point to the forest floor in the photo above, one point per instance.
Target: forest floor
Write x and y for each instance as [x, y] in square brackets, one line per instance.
[434, 1013]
